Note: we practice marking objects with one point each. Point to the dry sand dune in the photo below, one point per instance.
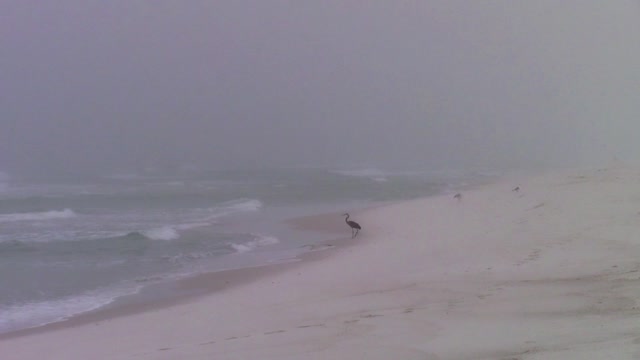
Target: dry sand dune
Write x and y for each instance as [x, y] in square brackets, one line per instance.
[548, 272]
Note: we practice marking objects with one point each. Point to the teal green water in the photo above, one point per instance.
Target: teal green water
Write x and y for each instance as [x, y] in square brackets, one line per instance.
[71, 246]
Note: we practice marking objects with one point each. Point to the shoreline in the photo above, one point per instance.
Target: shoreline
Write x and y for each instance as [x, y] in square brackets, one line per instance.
[546, 272]
[281, 224]
[185, 290]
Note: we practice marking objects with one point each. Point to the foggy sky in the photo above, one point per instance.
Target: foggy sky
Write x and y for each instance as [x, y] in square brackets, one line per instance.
[117, 85]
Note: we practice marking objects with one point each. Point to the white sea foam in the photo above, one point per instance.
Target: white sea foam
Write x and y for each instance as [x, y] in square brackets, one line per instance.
[258, 241]
[38, 216]
[244, 205]
[33, 314]
[241, 248]
[162, 233]
[170, 232]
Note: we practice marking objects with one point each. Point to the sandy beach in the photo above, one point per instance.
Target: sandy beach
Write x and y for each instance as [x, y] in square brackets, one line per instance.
[546, 272]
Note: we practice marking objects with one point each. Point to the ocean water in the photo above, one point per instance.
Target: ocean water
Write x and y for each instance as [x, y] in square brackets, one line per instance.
[73, 246]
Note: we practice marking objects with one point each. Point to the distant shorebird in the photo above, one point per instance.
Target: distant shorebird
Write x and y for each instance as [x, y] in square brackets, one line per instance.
[516, 189]
[353, 225]
[457, 196]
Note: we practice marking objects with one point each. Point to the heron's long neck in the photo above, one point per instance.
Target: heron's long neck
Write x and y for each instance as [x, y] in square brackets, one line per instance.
[346, 219]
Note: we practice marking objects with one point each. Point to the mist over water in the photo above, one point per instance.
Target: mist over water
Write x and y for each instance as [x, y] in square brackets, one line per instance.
[121, 87]
[144, 141]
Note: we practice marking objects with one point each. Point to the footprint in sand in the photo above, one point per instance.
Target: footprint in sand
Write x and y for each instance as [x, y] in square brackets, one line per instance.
[310, 326]
[538, 206]
[238, 337]
[533, 256]
[369, 316]
[274, 332]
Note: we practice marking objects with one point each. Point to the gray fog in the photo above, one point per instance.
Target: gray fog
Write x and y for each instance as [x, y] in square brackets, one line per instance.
[120, 85]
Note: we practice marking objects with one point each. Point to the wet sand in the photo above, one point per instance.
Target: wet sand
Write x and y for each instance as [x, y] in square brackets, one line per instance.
[548, 272]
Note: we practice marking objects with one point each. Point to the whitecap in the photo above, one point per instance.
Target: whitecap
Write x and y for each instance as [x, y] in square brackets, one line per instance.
[162, 233]
[258, 241]
[241, 248]
[39, 216]
[244, 205]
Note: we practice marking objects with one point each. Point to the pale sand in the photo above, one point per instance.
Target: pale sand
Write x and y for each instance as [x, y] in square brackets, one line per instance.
[549, 272]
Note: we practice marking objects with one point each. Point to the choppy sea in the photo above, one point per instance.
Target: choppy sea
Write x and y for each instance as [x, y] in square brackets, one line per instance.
[69, 246]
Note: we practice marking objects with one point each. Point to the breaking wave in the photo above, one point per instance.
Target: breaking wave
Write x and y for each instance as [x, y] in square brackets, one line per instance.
[244, 205]
[39, 216]
[34, 314]
[162, 233]
[255, 243]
